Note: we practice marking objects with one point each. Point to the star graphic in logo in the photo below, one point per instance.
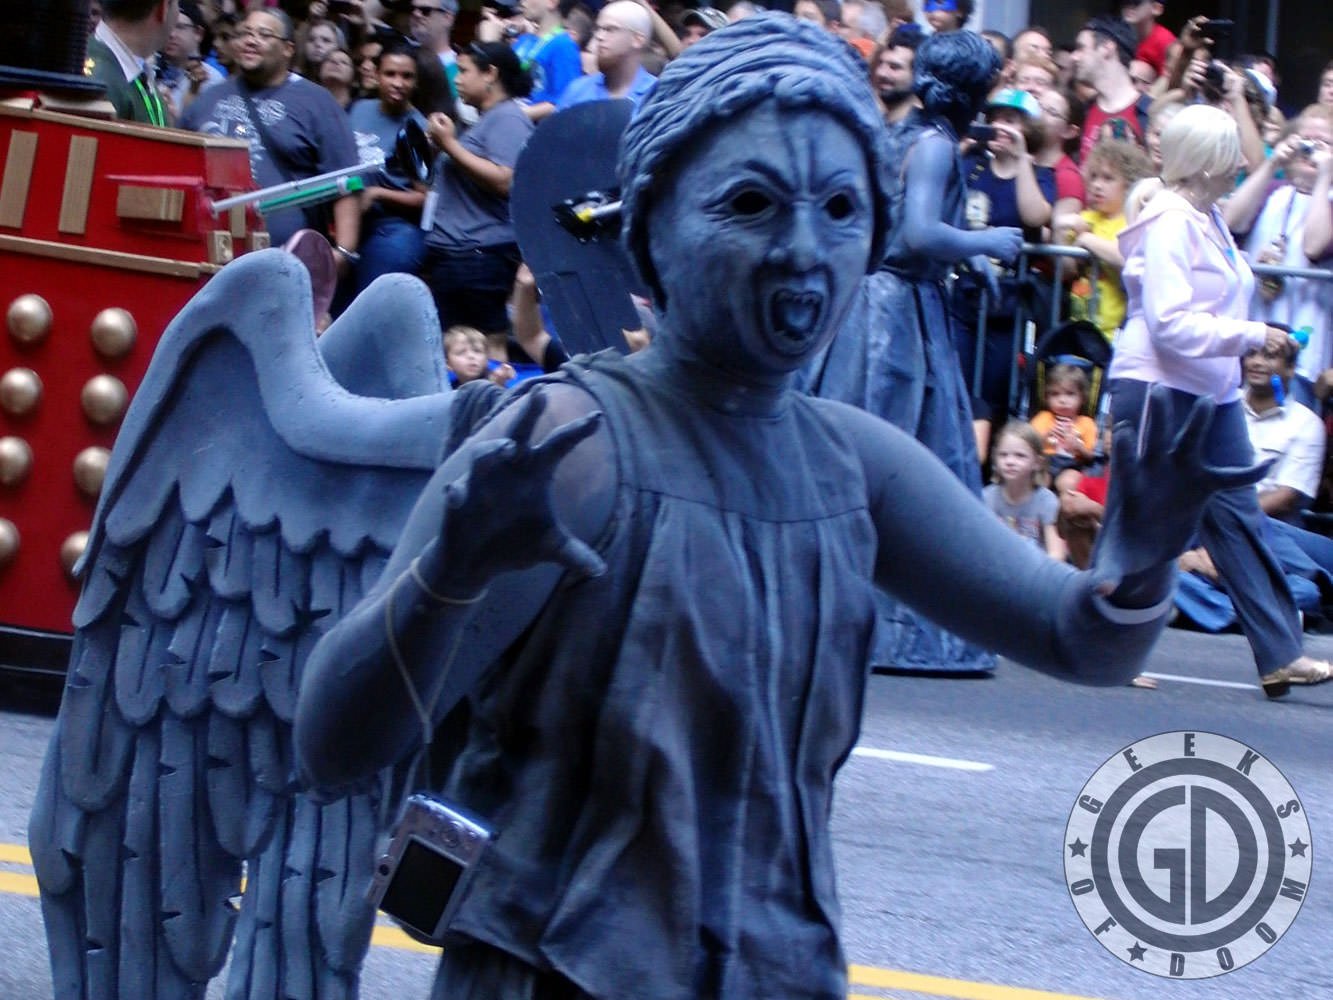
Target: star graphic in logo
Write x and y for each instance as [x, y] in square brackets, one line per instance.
[1137, 952]
[1298, 847]
[1078, 849]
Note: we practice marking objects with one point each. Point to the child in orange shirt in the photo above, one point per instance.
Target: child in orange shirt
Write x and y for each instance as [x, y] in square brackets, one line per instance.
[1069, 435]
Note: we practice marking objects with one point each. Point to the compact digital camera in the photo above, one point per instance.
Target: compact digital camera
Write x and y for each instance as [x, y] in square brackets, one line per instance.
[421, 876]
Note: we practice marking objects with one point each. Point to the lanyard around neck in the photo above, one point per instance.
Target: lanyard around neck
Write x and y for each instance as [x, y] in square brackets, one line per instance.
[157, 114]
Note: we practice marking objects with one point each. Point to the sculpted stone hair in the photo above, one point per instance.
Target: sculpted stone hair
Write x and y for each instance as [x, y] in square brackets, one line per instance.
[765, 57]
[954, 71]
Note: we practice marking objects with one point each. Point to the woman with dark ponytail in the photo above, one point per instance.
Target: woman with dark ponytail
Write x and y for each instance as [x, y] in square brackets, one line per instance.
[471, 252]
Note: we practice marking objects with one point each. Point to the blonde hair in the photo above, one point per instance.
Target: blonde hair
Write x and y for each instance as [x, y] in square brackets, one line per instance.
[1318, 112]
[459, 335]
[1128, 159]
[1201, 141]
[1026, 433]
[1161, 112]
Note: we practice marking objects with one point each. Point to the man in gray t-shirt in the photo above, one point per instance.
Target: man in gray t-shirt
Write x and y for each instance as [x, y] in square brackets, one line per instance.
[302, 130]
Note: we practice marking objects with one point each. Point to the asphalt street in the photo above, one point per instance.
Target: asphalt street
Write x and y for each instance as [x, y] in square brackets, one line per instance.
[950, 831]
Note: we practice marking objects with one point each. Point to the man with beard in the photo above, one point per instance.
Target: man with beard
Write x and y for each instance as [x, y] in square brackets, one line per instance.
[1102, 54]
[891, 73]
[294, 127]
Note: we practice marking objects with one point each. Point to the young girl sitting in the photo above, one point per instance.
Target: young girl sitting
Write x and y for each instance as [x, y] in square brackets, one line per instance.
[1069, 435]
[1111, 169]
[1015, 497]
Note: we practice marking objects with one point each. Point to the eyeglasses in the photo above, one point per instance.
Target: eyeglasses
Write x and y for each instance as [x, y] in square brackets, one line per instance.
[259, 35]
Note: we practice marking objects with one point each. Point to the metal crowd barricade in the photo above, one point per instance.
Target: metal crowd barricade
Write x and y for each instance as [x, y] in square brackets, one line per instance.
[1024, 337]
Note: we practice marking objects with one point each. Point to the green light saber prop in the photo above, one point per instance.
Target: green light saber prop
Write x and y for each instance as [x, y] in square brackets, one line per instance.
[306, 191]
[325, 192]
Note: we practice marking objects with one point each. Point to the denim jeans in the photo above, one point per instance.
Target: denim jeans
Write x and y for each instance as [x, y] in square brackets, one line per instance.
[1232, 529]
[471, 286]
[390, 245]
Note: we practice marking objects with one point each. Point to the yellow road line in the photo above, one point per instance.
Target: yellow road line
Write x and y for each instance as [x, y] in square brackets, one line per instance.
[389, 936]
[15, 853]
[939, 986]
[18, 885]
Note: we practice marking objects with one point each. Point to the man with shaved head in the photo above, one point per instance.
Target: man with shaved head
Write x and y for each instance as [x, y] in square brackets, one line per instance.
[622, 33]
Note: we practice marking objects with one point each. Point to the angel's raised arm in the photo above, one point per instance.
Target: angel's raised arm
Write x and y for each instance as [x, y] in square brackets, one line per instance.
[505, 516]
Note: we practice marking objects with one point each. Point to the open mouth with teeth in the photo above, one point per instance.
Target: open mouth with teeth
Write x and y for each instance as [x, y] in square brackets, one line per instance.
[794, 316]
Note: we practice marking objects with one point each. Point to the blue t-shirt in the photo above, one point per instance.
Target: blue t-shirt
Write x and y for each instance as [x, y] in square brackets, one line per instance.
[552, 60]
[593, 88]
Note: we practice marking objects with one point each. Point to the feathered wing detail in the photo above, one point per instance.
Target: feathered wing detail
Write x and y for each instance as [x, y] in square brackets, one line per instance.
[251, 500]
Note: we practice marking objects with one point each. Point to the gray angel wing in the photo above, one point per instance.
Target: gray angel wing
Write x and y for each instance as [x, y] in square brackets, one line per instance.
[250, 501]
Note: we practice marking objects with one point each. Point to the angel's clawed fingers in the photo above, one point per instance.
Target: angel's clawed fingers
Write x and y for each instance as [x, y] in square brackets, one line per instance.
[578, 556]
[561, 441]
[1189, 441]
[529, 410]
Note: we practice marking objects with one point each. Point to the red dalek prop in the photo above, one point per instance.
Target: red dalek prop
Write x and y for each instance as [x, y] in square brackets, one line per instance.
[106, 231]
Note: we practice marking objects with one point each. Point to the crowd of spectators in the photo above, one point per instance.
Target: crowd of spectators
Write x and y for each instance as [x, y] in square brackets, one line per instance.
[1070, 128]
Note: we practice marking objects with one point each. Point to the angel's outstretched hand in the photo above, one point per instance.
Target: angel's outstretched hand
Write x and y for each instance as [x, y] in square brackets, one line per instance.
[498, 515]
[1160, 482]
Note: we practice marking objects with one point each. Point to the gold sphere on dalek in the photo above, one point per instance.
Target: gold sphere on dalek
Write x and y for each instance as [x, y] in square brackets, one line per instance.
[113, 332]
[20, 391]
[70, 551]
[104, 399]
[15, 460]
[9, 541]
[90, 470]
[29, 318]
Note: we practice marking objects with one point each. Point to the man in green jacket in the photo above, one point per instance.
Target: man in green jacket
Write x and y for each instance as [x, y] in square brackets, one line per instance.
[121, 54]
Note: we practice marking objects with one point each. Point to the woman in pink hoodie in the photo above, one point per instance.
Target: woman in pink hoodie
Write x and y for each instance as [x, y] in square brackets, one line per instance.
[1189, 290]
